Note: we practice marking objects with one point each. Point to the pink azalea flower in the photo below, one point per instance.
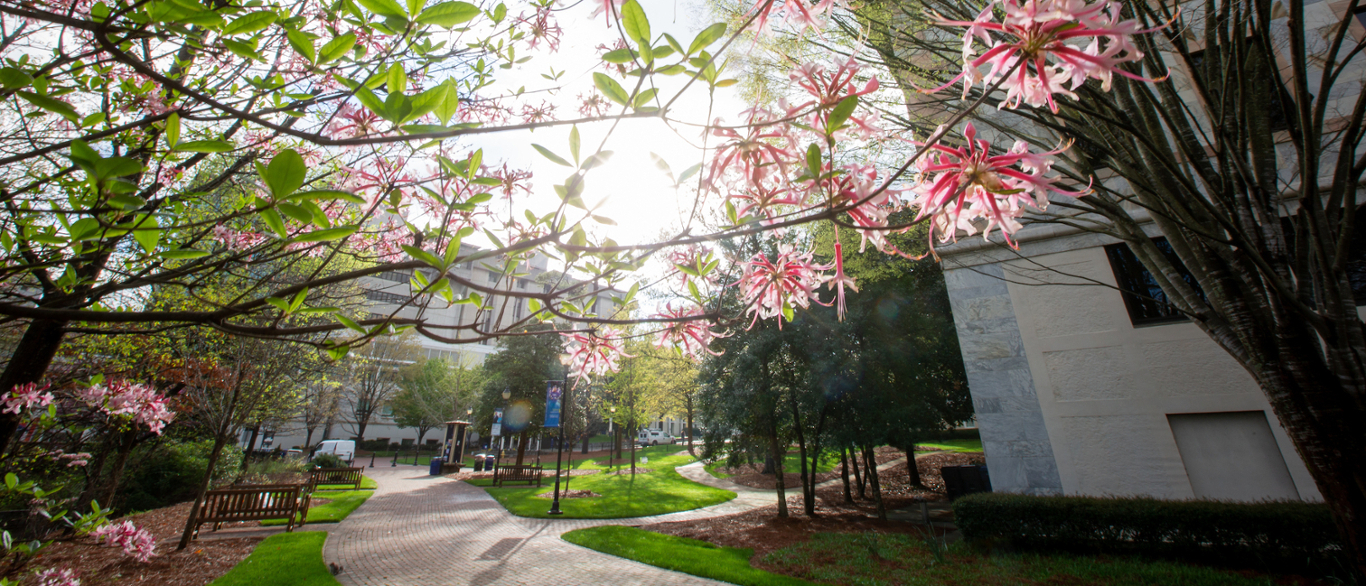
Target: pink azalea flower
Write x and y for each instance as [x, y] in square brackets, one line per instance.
[595, 353]
[829, 86]
[542, 27]
[840, 280]
[56, 577]
[772, 288]
[140, 402]
[27, 396]
[608, 7]
[960, 185]
[691, 337]
[1037, 32]
[137, 543]
[797, 12]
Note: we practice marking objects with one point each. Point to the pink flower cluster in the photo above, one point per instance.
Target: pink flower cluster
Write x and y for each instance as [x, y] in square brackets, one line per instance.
[137, 543]
[595, 353]
[799, 13]
[56, 577]
[140, 402]
[692, 337]
[237, 240]
[1035, 36]
[72, 460]
[27, 396]
[773, 287]
[962, 184]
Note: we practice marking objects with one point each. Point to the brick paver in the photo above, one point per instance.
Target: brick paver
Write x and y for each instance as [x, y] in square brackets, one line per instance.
[424, 530]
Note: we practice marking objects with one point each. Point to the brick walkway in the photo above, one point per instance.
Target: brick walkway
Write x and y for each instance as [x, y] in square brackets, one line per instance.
[420, 530]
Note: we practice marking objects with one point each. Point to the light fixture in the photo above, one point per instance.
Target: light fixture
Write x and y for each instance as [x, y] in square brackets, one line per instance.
[566, 358]
[469, 412]
[507, 393]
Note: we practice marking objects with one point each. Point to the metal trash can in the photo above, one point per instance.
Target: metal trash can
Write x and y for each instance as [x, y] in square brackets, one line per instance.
[964, 480]
[434, 468]
[490, 463]
[478, 462]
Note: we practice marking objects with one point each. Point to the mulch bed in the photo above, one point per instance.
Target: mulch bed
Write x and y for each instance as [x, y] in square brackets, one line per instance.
[791, 480]
[569, 494]
[202, 562]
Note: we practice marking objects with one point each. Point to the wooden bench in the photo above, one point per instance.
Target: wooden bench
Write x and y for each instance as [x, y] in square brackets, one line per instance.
[350, 476]
[255, 502]
[515, 473]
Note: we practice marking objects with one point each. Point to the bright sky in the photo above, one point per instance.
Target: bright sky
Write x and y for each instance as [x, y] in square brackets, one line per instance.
[639, 197]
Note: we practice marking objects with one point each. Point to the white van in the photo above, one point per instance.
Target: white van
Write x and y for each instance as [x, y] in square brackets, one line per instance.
[654, 437]
[344, 449]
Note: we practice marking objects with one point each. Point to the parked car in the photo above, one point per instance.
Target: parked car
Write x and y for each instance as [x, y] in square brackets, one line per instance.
[653, 437]
[344, 449]
[294, 453]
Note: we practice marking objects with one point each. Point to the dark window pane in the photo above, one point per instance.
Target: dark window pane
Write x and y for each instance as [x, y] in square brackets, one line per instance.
[1145, 300]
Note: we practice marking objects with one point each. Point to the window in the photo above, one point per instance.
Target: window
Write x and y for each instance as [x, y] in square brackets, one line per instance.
[386, 297]
[1145, 300]
[493, 277]
[517, 309]
[395, 276]
[545, 288]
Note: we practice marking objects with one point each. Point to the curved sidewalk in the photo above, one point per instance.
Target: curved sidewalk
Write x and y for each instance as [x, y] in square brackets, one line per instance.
[425, 530]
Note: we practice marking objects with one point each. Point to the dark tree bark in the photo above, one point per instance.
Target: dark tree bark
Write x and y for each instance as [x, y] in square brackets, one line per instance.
[870, 463]
[844, 476]
[31, 358]
[913, 469]
[521, 446]
[858, 478]
[780, 486]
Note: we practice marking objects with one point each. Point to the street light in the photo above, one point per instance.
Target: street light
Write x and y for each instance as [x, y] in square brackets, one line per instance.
[559, 446]
[615, 451]
[507, 395]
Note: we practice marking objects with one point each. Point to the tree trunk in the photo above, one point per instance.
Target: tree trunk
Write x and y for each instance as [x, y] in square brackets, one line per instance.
[220, 438]
[633, 457]
[41, 340]
[521, 447]
[129, 441]
[858, 478]
[768, 462]
[688, 405]
[870, 463]
[774, 448]
[308, 439]
[360, 428]
[913, 469]
[584, 448]
[844, 476]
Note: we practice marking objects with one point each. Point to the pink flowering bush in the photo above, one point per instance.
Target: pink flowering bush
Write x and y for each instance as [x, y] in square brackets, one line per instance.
[137, 543]
[26, 397]
[58, 577]
[775, 288]
[141, 403]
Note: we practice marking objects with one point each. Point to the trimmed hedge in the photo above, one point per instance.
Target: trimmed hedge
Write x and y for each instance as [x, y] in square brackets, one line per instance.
[1272, 535]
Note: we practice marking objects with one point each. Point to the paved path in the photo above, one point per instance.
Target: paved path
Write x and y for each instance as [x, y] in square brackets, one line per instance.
[420, 530]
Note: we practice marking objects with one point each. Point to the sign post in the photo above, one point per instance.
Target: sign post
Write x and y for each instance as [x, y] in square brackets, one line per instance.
[554, 393]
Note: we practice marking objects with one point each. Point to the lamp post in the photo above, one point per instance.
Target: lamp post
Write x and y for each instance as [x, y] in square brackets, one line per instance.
[559, 446]
[613, 452]
[507, 396]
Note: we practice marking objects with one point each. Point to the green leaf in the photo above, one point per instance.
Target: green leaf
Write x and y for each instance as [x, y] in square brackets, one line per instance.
[415, 6]
[449, 14]
[184, 253]
[397, 79]
[708, 36]
[172, 129]
[303, 44]
[148, 234]
[424, 256]
[370, 100]
[450, 103]
[673, 43]
[429, 101]
[250, 23]
[619, 56]
[671, 70]
[348, 322]
[574, 143]
[840, 114]
[14, 78]
[327, 194]
[605, 220]
[327, 234]
[274, 222]
[610, 88]
[554, 158]
[337, 47]
[452, 249]
[597, 160]
[297, 212]
[279, 304]
[298, 299]
[53, 105]
[205, 146]
[689, 172]
[636, 24]
[663, 165]
[384, 8]
[813, 160]
[339, 352]
[285, 174]
[644, 98]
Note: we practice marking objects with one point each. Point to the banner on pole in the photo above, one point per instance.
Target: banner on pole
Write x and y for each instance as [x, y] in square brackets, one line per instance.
[554, 390]
[497, 423]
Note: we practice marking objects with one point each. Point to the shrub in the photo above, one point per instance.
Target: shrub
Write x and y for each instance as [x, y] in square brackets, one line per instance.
[170, 471]
[1271, 535]
[275, 471]
[375, 445]
[328, 461]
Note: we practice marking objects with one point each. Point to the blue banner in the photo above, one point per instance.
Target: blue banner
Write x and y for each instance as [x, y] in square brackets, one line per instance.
[554, 391]
[497, 423]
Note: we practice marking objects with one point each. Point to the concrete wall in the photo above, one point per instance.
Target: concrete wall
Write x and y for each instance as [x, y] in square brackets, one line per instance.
[1071, 397]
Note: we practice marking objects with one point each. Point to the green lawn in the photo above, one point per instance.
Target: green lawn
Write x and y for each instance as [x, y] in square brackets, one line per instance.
[661, 491]
[791, 464]
[895, 558]
[689, 556]
[366, 483]
[955, 445]
[287, 559]
[343, 502]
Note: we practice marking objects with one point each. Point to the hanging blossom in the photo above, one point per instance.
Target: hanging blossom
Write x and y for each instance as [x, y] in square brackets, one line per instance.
[27, 396]
[137, 543]
[1036, 35]
[771, 288]
[72, 460]
[692, 337]
[829, 85]
[960, 185]
[56, 577]
[140, 402]
[692, 259]
[541, 26]
[799, 13]
[595, 353]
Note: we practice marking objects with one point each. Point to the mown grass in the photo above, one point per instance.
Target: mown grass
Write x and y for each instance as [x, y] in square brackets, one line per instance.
[689, 556]
[287, 559]
[955, 445]
[791, 464]
[883, 559]
[343, 503]
[366, 483]
[623, 495]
